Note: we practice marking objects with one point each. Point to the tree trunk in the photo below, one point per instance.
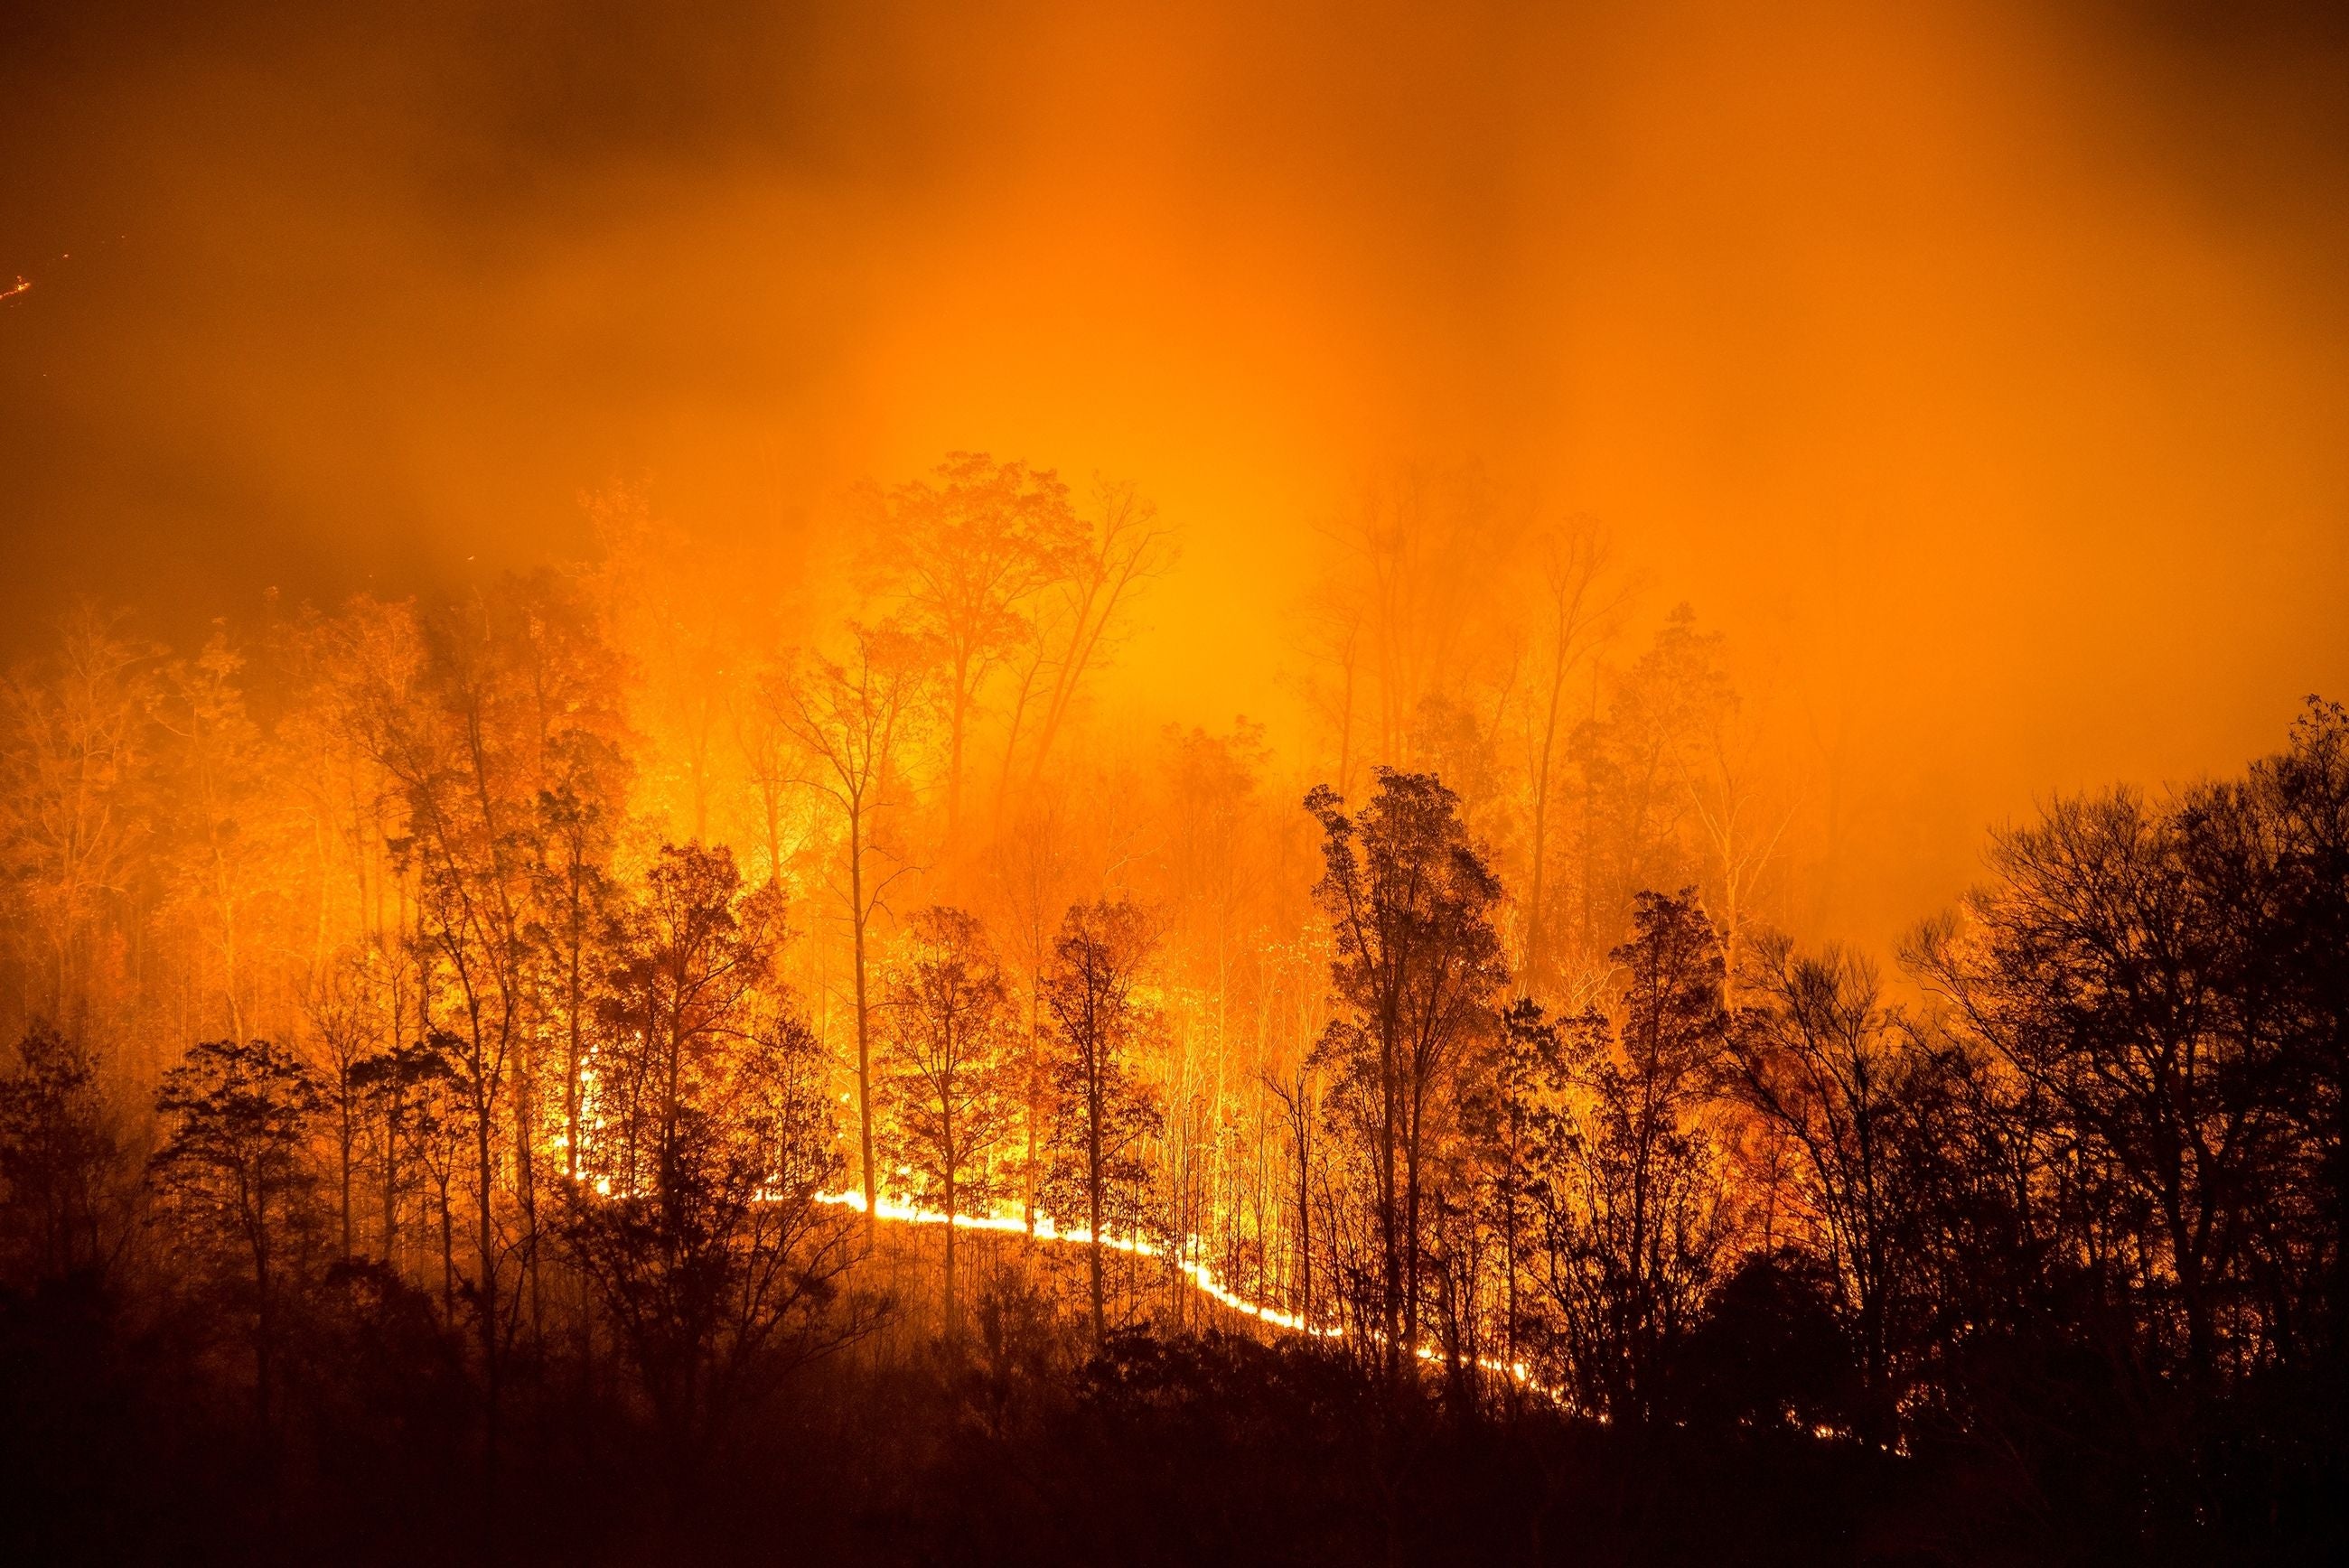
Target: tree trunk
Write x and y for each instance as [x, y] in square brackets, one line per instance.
[347, 1134]
[391, 1166]
[264, 1320]
[950, 1323]
[863, 1027]
[574, 1047]
[1093, 1193]
[1304, 1226]
[448, 1256]
[488, 1288]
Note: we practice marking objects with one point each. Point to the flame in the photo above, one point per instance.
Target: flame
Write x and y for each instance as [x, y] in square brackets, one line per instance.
[1201, 1275]
[19, 286]
[1203, 1278]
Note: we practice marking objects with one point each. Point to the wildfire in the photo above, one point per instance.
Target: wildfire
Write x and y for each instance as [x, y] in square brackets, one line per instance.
[1201, 1277]
[21, 286]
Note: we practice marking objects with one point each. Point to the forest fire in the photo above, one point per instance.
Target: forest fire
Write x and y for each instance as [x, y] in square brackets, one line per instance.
[1044, 1228]
[1202, 1278]
[1212, 783]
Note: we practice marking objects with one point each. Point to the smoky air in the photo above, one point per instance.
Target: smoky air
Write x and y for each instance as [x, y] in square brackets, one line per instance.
[916, 783]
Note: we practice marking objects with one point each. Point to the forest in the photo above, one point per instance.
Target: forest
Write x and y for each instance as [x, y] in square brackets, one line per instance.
[629, 1065]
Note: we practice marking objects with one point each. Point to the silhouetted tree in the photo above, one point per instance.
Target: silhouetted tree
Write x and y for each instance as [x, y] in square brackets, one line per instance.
[1769, 1351]
[696, 1222]
[1527, 1076]
[1627, 1175]
[2144, 1005]
[1417, 963]
[1100, 1019]
[946, 1081]
[1816, 1053]
[403, 1089]
[236, 1175]
[344, 1028]
[59, 1161]
[2106, 966]
[2301, 800]
[1299, 1098]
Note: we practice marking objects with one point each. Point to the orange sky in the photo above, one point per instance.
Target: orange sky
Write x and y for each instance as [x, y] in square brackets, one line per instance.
[1983, 371]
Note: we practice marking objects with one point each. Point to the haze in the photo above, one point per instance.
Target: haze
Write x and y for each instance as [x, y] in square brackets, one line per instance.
[1981, 373]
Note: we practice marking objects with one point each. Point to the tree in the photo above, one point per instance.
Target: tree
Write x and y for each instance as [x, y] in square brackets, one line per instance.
[853, 716]
[573, 776]
[575, 898]
[1529, 1078]
[1814, 1052]
[1122, 547]
[77, 755]
[694, 952]
[949, 1074]
[1626, 1178]
[1572, 613]
[1404, 605]
[404, 1089]
[236, 1175]
[967, 554]
[1100, 1017]
[696, 1221]
[2302, 800]
[457, 758]
[1646, 766]
[347, 1031]
[351, 686]
[1030, 875]
[2118, 964]
[216, 769]
[771, 759]
[1417, 963]
[59, 1156]
[1300, 1110]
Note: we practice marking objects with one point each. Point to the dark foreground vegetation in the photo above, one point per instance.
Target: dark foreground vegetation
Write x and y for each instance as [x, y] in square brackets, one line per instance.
[1212, 1449]
[1206, 1449]
[421, 1144]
